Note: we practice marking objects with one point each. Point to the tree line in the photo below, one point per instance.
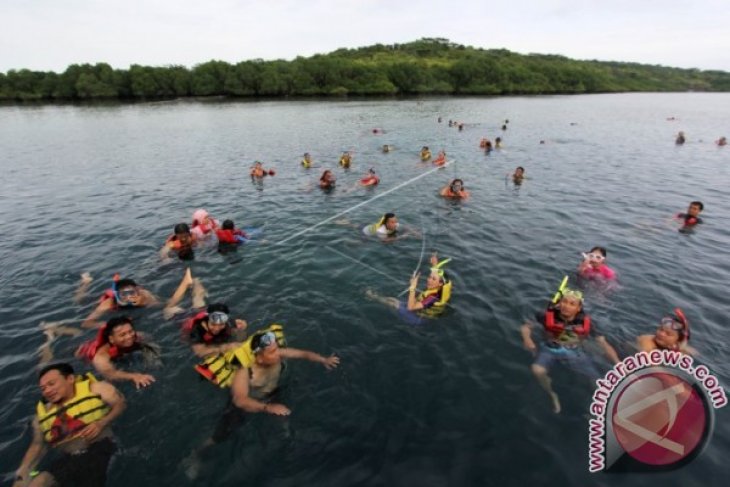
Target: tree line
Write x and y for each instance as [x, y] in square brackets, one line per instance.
[426, 66]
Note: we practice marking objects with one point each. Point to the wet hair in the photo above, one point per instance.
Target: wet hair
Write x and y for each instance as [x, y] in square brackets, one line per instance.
[213, 307]
[62, 367]
[453, 183]
[122, 283]
[520, 167]
[326, 171]
[228, 225]
[698, 203]
[602, 250]
[387, 217]
[115, 322]
[181, 228]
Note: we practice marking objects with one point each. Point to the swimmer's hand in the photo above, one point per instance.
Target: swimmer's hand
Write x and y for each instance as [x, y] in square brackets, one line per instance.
[331, 362]
[414, 281]
[434, 259]
[277, 409]
[91, 431]
[529, 344]
[142, 380]
[86, 278]
[241, 324]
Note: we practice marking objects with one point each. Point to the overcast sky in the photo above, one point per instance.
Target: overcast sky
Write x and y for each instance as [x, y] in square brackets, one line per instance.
[51, 34]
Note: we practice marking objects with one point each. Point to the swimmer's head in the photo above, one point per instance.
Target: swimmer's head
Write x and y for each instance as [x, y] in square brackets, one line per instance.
[456, 185]
[181, 229]
[695, 208]
[596, 256]
[56, 382]
[119, 331]
[519, 172]
[390, 221]
[200, 216]
[218, 317]
[265, 348]
[571, 302]
[228, 225]
[126, 292]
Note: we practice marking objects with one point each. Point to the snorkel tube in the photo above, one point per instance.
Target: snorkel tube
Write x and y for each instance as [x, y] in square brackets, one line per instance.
[559, 294]
[115, 291]
[437, 269]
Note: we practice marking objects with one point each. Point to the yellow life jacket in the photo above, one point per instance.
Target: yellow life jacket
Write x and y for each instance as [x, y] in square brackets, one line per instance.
[306, 164]
[345, 161]
[219, 368]
[425, 155]
[64, 422]
[440, 305]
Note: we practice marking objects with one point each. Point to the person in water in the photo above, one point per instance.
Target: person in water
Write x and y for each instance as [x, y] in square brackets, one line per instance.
[73, 418]
[327, 180]
[455, 189]
[258, 171]
[425, 153]
[204, 226]
[594, 265]
[387, 226]
[181, 242]
[370, 179]
[387, 148]
[124, 294]
[307, 161]
[440, 158]
[680, 138]
[429, 303]
[115, 340]
[721, 142]
[229, 234]
[671, 334]
[346, 159]
[498, 143]
[519, 175]
[212, 331]
[692, 217]
[565, 329]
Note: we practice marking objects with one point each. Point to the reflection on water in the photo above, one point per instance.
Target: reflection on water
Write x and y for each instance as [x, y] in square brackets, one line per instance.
[453, 401]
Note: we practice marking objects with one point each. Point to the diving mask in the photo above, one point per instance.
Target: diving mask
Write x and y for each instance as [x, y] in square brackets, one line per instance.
[218, 318]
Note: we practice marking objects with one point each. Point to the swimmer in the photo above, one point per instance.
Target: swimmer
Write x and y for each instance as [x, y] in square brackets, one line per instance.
[228, 234]
[327, 180]
[346, 159]
[565, 329]
[594, 265]
[504, 127]
[498, 143]
[181, 242]
[429, 303]
[114, 340]
[671, 334]
[680, 138]
[370, 179]
[212, 331]
[387, 148]
[258, 171]
[425, 153]
[519, 175]
[455, 189]
[721, 142]
[204, 226]
[124, 293]
[307, 161]
[483, 142]
[692, 217]
[488, 147]
[386, 227]
[440, 158]
[72, 418]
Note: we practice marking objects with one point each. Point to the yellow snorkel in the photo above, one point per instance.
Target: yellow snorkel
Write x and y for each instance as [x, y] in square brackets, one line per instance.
[561, 289]
[437, 269]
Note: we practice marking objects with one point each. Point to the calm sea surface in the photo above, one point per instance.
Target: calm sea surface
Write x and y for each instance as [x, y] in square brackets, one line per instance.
[452, 402]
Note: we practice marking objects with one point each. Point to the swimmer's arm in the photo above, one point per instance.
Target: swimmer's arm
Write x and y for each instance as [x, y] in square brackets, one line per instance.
[608, 349]
[413, 303]
[241, 399]
[104, 366]
[92, 321]
[150, 299]
[329, 362]
[113, 398]
[33, 455]
[526, 332]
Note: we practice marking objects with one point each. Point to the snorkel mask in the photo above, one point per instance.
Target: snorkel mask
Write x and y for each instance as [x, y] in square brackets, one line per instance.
[122, 298]
[678, 323]
[266, 340]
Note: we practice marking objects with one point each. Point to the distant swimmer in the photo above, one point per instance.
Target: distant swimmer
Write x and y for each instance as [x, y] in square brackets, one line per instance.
[671, 334]
[566, 327]
[73, 418]
[307, 161]
[327, 180]
[692, 217]
[594, 265]
[455, 189]
[519, 175]
[721, 142]
[116, 339]
[483, 142]
[258, 171]
[181, 242]
[346, 159]
[203, 226]
[229, 236]
[680, 138]
[440, 158]
[440, 119]
[488, 147]
[427, 304]
[504, 127]
[498, 143]
[387, 226]
[370, 179]
[425, 153]
[387, 148]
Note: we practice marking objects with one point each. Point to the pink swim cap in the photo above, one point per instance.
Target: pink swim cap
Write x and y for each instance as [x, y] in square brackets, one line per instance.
[199, 215]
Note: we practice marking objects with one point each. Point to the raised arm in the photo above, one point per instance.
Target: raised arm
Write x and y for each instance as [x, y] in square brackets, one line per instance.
[329, 363]
[92, 321]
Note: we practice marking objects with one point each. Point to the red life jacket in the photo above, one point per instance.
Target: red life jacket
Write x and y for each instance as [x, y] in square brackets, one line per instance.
[229, 236]
[88, 349]
[208, 337]
[205, 229]
[558, 327]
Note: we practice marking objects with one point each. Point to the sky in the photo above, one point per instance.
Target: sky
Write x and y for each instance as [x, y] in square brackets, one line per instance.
[49, 35]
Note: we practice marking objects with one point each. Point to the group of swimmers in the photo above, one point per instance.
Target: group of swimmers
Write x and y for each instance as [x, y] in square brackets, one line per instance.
[680, 140]
[76, 411]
